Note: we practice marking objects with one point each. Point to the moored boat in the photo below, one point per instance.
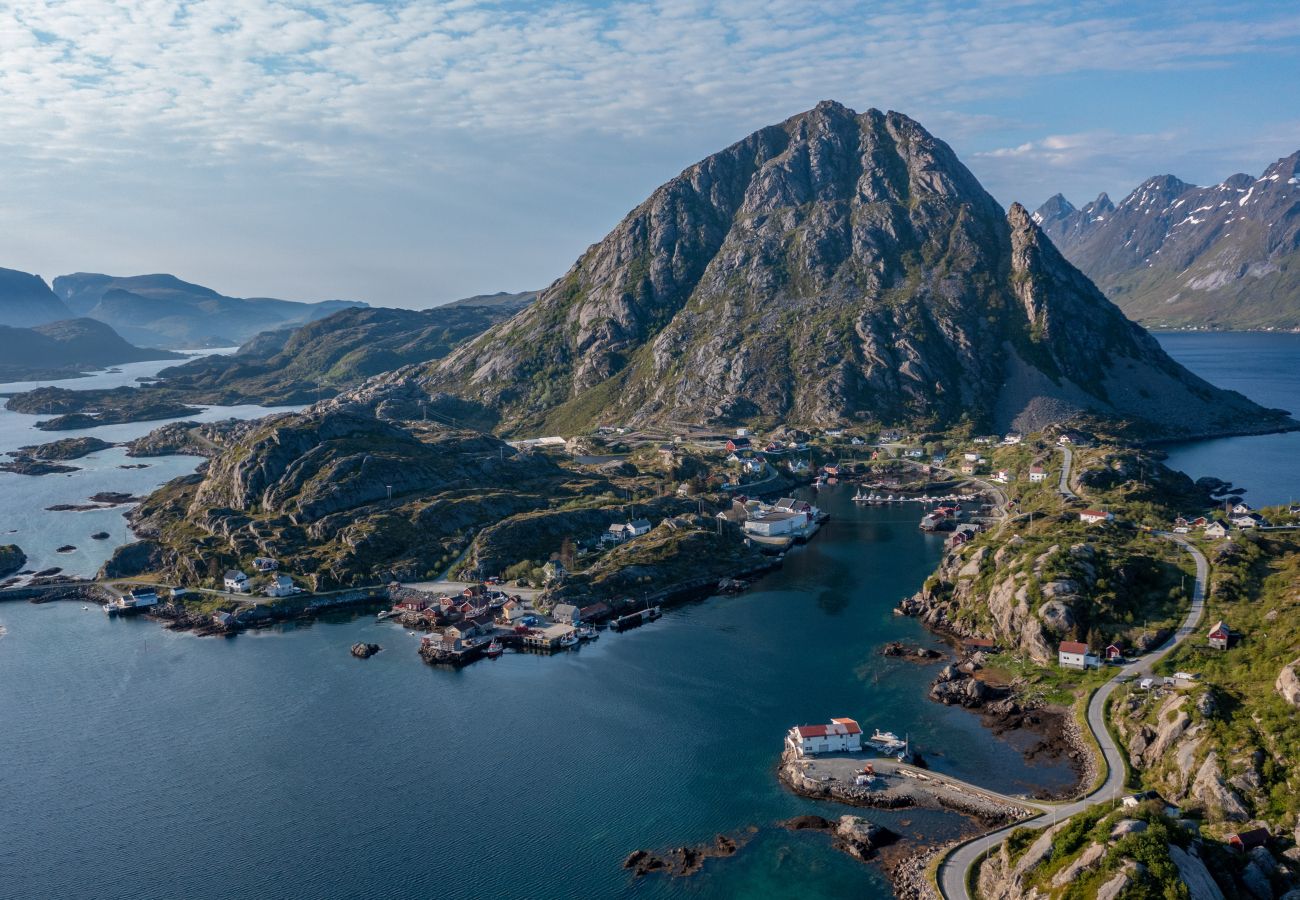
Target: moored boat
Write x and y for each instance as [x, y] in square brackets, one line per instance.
[494, 649]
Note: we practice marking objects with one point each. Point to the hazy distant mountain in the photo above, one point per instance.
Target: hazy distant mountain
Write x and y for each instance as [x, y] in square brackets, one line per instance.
[163, 310]
[63, 349]
[26, 300]
[1172, 254]
[833, 268]
[294, 365]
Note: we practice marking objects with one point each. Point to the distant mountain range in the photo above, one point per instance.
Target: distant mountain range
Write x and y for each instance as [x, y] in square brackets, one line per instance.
[831, 269]
[1174, 255]
[66, 348]
[162, 310]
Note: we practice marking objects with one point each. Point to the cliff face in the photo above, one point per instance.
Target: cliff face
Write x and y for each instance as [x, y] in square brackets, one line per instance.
[833, 268]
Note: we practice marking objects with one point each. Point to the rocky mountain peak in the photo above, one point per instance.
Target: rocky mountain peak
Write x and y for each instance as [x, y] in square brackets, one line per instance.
[836, 267]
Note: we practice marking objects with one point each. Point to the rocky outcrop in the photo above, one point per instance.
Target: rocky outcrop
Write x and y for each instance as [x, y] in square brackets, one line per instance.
[953, 687]
[1200, 883]
[1221, 801]
[834, 268]
[131, 560]
[1288, 683]
[66, 448]
[12, 559]
[362, 650]
[852, 834]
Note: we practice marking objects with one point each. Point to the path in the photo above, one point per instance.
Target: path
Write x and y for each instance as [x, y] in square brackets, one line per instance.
[953, 869]
[1064, 487]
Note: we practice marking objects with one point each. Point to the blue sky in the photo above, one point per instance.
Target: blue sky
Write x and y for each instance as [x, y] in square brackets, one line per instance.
[408, 153]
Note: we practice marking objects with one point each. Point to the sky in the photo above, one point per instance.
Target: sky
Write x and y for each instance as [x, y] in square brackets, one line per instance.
[410, 153]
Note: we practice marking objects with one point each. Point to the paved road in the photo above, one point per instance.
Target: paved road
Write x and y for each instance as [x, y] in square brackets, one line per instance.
[953, 869]
[1064, 486]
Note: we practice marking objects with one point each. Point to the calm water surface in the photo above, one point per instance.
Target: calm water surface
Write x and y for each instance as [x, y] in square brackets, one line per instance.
[1266, 368]
[147, 764]
[24, 519]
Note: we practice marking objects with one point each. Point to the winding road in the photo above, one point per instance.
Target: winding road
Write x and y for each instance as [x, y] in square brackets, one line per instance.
[953, 869]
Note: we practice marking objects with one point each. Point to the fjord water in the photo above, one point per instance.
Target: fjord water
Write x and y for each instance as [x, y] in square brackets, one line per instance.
[1266, 368]
[24, 519]
[141, 763]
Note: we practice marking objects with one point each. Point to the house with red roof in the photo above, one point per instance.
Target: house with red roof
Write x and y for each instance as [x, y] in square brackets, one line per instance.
[840, 736]
[1076, 655]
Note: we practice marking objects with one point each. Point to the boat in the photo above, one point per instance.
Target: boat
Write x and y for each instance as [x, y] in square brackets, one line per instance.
[569, 640]
[384, 614]
[588, 633]
[494, 649]
[861, 497]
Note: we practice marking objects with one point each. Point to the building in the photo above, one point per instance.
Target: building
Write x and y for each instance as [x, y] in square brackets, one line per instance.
[554, 571]
[144, 596]
[1216, 530]
[1220, 636]
[566, 613]
[1076, 655]
[743, 433]
[281, 586]
[979, 645]
[265, 564]
[1004, 476]
[914, 453]
[738, 443]
[971, 457]
[1113, 652]
[236, 582]
[774, 522]
[1248, 840]
[1037, 474]
[1012, 437]
[840, 736]
[968, 468]
[595, 612]
[1093, 516]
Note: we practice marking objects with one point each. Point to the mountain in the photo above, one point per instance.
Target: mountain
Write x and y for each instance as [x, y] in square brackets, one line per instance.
[1176, 255]
[162, 309]
[64, 349]
[26, 300]
[831, 269]
[296, 365]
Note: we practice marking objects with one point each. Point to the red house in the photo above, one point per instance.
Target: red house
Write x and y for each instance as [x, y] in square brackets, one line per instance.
[738, 443]
[413, 605]
[1249, 840]
[1114, 651]
[1220, 636]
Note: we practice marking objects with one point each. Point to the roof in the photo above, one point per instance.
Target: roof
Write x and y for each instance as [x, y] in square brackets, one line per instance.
[837, 727]
[1255, 837]
[640, 523]
[565, 609]
[235, 574]
[1219, 627]
[1093, 512]
[1073, 647]
[596, 608]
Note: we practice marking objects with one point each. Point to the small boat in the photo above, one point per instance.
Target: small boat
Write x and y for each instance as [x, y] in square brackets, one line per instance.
[85, 607]
[860, 497]
[384, 614]
[494, 649]
[569, 640]
[588, 633]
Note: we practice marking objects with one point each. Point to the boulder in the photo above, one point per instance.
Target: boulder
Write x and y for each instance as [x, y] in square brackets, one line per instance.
[1220, 801]
[12, 559]
[362, 650]
[1288, 683]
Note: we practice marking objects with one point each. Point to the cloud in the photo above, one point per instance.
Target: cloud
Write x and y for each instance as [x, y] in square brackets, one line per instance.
[331, 86]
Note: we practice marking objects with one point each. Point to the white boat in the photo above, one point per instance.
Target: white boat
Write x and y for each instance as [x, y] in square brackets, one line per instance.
[569, 640]
[588, 633]
[861, 497]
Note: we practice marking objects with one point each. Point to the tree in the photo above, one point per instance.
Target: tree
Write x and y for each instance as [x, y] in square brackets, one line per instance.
[567, 553]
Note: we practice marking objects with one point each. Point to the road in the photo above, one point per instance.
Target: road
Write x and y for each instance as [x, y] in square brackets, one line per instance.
[953, 869]
[1064, 487]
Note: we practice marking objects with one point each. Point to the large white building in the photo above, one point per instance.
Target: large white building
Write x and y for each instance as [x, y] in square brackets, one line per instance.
[775, 522]
[840, 736]
[1075, 655]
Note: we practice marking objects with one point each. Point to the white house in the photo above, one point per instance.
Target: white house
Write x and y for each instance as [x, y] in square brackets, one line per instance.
[1216, 530]
[1012, 437]
[1244, 521]
[1241, 509]
[637, 527]
[236, 582]
[1093, 516]
[971, 457]
[743, 432]
[797, 466]
[840, 736]
[1037, 474]
[282, 586]
[1004, 476]
[914, 453]
[1075, 655]
[775, 522]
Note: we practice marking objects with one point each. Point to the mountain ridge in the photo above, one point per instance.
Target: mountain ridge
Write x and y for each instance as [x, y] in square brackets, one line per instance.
[833, 268]
[1176, 255]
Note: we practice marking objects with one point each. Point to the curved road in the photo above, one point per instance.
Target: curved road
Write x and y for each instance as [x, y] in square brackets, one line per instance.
[1064, 487]
[953, 869]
